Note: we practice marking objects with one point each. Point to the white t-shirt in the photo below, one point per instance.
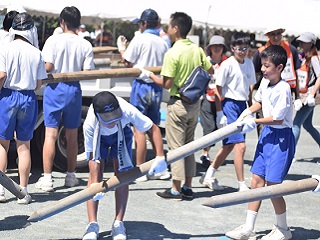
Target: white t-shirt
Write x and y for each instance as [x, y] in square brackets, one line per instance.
[235, 78]
[23, 64]
[276, 101]
[68, 53]
[4, 37]
[130, 115]
[146, 50]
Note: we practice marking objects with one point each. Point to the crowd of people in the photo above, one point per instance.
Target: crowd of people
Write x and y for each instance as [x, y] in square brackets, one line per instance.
[277, 81]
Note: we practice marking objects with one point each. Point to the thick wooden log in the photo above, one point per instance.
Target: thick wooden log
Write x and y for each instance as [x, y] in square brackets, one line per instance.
[273, 191]
[11, 186]
[95, 74]
[132, 174]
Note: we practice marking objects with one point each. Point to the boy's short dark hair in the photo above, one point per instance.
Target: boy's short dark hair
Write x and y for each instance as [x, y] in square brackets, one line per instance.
[276, 54]
[8, 19]
[240, 38]
[71, 16]
[182, 21]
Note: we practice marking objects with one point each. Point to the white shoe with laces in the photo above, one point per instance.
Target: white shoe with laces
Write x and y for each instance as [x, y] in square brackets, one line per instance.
[45, 184]
[143, 178]
[278, 233]
[92, 231]
[26, 200]
[211, 183]
[160, 176]
[118, 231]
[241, 233]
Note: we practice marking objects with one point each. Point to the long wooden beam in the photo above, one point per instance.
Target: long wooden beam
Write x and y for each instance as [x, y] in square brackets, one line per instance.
[11, 186]
[95, 74]
[273, 191]
[132, 174]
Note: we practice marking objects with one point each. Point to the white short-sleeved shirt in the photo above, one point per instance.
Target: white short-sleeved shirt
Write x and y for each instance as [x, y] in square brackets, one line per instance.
[276, 101]
[68, 53]
[23, 64]
[4, 37]
[235, 78]
[130, 115]
[146, 50]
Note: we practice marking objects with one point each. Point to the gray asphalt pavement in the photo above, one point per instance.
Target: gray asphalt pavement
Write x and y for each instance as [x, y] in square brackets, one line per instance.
[150, 217]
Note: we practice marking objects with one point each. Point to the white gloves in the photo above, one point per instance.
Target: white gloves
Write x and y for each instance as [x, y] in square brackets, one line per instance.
[248, 124]
[222, 120]
[310, 101]
[145, 75]
[159, 165]
[318, 187]
[297, 104]
[121, 43]
[246, 113]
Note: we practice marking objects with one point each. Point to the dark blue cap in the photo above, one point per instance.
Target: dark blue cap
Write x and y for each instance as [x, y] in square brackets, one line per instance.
[148, 15]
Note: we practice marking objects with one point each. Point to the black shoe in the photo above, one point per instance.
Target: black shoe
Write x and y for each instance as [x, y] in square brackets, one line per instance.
[205, 161]
[188, 193]
[168, 195]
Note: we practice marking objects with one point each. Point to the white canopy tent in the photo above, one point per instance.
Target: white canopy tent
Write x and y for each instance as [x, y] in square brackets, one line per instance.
[255, 16]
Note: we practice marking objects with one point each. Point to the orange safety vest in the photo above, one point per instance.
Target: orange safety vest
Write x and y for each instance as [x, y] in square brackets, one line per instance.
[211, 89]
[288, 73]
[303, 77]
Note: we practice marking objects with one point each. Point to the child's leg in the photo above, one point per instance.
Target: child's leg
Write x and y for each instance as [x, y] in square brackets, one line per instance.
[239, 150]
[95, 175]
[23, 149]
[4, 147]
[256, 182]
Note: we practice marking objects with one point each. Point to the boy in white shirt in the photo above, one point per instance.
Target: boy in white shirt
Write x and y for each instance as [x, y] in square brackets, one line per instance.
[276, 145]
[235, 81]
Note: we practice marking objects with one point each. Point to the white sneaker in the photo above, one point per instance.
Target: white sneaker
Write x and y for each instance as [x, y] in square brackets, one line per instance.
[278, 233]
[118, 231]
[143, 178]
[92, 231]
[45, 184]
[160, 176]
[71, 181]
[26, 200]
[241, 233]
[2, 198]
[211, 183]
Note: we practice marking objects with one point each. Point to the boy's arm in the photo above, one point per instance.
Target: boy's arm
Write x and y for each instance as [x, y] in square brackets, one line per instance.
[164, 82]
[218, 97]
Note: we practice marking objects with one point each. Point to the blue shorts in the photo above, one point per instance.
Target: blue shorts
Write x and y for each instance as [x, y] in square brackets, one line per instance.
[147, 97]
[62, 101]
[274, 153]
[19, 112]
[232, 110]
[111, 142]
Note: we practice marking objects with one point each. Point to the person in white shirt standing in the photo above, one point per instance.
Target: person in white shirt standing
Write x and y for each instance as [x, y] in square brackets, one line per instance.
[66, 52]
[21, 71]
[145, 50]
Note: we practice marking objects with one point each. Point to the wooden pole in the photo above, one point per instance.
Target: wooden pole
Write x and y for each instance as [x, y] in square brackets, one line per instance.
[95, 74]
[103, 49]
[132, 174]
[9, 184]
[257, 194]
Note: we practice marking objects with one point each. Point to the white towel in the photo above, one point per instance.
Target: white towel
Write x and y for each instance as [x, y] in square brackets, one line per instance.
[124, 158]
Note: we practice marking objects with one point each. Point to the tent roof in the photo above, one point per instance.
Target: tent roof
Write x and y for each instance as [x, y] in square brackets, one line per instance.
[255, 16]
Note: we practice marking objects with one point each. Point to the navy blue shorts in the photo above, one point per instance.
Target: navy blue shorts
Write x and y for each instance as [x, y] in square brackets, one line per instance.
[147, 97]
[109, 144]
[274, 153]
[232, 110]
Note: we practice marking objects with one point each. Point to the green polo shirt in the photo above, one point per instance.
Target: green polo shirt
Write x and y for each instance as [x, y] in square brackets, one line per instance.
[180, 60]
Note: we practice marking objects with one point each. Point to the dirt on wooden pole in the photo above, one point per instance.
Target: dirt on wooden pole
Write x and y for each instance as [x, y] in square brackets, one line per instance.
[286, 188]
[132, 174]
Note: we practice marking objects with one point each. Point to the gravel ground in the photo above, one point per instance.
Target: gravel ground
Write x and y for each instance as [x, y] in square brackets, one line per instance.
[150, 217]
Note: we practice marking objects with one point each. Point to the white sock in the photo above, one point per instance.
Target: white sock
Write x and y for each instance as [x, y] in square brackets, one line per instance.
[282, 220]
[241, 184]
[116, 222]
[1, 189]
[47, 176]
[251, 219]
[25, 188]
[71, 174]
[210, 172]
